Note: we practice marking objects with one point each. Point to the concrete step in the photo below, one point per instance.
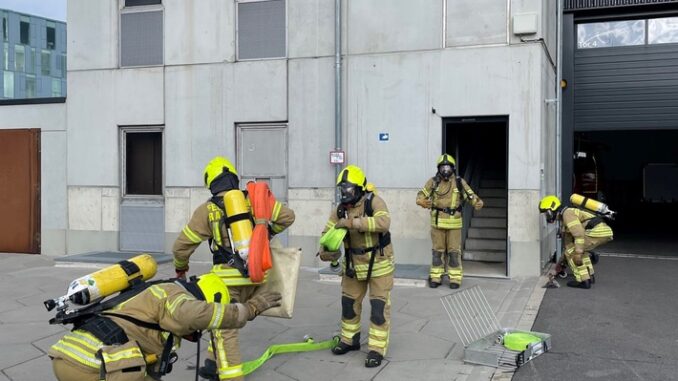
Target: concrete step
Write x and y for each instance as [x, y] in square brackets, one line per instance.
[494, 202]
[485, 244]
[485, 222]
[488, 183]
[483, 233]
[492, 192]
[490, 212]
[485, 255]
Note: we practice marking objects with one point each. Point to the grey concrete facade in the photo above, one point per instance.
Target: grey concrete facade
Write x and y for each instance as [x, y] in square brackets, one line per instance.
[400, 60]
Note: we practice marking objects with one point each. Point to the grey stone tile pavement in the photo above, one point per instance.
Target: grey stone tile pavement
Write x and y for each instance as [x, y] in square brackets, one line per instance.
[423, 343]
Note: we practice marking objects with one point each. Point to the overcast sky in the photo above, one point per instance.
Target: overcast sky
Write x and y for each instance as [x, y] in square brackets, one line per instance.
[51, 9]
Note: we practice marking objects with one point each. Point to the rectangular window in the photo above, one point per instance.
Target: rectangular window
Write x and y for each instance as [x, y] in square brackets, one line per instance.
[136, 3]
[31, 60]
[261, 29]
[24, 31]
[4, 27]
[5, 58]
[141, 38]
[611, 34]
[8, 82]
[30, 86]
[19, 58]
[56, 87]
[46, 62]
[662, 31]
[142, 163]
[51, 36]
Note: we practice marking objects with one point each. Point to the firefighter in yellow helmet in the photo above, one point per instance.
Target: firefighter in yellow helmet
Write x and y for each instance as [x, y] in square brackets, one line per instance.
[445, 194]
[127, 341]
[368, 264]
[207, 224]
[582, 231]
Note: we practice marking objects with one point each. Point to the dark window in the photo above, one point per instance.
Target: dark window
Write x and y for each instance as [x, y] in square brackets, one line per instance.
[24, 32]
[51, 37]
[143, 163]
[136, 3]
[4, 28]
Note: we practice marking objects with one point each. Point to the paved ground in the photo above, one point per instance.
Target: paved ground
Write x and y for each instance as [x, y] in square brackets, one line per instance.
[423, 344]
[624, 328]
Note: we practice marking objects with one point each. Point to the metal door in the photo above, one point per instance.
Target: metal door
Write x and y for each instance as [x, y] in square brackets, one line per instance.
[20, 191]
[262, 156]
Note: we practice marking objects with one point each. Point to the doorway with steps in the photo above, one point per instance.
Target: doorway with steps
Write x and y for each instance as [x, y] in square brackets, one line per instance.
[480, 147]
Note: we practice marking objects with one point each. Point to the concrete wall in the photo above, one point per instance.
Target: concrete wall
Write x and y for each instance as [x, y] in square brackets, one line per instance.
[395, 72]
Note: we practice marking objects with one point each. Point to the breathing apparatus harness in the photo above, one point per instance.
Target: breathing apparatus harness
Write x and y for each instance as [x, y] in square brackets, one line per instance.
[95, 319]
[383, 241]
[437, 179]
[220, 254]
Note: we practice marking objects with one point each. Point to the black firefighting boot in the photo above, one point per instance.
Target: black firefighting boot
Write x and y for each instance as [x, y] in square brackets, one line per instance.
[343, 348]
[209, 371]
[583, 284]
[373, 359]
[432, 284]
[595, 257]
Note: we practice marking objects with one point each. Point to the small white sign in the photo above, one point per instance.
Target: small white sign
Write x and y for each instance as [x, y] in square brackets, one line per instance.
[337, 157]
[384, 136]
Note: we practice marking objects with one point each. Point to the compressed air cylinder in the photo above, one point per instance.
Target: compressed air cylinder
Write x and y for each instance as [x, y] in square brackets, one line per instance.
[590, 204]
[111, 279]
[241, 230]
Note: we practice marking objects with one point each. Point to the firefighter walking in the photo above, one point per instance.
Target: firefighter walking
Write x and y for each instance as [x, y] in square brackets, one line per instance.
[444, 194]
[368, 265]
[128, 341]
[581, 231]
[210, 222]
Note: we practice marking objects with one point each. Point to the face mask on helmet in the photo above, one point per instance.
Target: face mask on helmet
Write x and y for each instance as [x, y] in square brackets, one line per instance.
[445, 170]
[550, 216]
[350, 193]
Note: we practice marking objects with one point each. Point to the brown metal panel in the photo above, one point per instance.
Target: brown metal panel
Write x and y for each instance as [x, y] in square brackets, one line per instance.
[20, 191]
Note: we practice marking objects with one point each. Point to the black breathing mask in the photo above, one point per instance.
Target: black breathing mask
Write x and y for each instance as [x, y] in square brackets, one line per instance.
[446, 171]
[350, 193]
[225, 182]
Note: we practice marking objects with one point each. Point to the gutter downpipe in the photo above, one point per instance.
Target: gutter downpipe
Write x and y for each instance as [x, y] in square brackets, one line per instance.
[559, 113]
[337, 89]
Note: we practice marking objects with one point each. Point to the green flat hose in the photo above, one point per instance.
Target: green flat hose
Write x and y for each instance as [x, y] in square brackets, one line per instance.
[276, 349]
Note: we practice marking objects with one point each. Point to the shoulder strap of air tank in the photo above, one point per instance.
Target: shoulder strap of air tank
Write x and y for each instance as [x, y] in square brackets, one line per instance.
[369, 211]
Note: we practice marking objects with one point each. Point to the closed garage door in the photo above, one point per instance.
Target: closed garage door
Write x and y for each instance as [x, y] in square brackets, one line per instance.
[630, 83]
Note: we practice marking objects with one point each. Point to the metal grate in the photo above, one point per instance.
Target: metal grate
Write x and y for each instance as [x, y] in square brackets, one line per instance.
[261, 29]
[470, 314]
[573, 5]
[141, 39]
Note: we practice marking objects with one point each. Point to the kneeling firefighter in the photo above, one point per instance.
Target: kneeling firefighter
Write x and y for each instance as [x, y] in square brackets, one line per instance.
[368, 264]
[226, 221]
[582, 231]
[133, 335]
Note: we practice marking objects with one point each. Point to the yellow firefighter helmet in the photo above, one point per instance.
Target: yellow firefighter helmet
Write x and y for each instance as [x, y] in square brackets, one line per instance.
[549, 202]
[446, 159]
[354, 175]
[214, 289]
[216, 167]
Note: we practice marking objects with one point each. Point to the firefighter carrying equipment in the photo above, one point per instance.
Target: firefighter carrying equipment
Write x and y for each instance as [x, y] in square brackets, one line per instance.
[238, 221]
[592, 205]
[550, 205]
[220, 175]
[107, 281]
[333, 238]
[352, 183]
[263, 203]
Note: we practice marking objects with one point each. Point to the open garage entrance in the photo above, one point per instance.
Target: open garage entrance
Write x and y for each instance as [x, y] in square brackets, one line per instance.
[636, 174]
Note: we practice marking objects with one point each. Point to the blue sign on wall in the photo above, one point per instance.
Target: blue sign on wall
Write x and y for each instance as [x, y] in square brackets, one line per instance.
[383, 136]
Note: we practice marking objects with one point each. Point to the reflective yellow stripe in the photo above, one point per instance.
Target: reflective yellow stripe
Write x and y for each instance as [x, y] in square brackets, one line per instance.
[381, 213]
[180, 263]
[353, 327]
[378, 333]
[437, 270]
[219, 344]
[217, 316]
[158, 292]
[128, 353]
[175, 303]
[232, 277]
[77, 354]
[425, 192]
[580, 240]
[601, 230]
[370, 224]
[572, 223]
[276, 211]
[216, 233]
[191, 235]
[84, 338]
[277, 228]
[446, 222]
[330, 224]
[230, 372]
